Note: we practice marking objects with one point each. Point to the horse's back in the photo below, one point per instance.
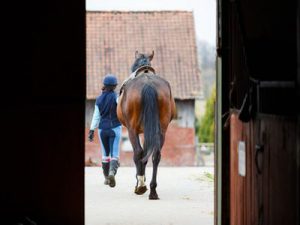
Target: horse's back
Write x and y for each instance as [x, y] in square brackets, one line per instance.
[130, 102]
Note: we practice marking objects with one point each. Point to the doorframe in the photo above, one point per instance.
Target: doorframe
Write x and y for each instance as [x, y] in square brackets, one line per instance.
[222, 161]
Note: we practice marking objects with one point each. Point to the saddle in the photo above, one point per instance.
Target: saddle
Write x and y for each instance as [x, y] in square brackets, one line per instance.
[140, 70]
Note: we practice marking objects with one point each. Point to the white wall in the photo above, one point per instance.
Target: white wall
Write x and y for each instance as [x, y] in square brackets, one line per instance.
[185, 113]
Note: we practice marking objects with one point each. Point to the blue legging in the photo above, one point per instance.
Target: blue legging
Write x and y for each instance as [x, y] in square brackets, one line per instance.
[110, 143]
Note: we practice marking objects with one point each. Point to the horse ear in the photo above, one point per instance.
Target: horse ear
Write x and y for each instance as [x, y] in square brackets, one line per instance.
[136, 54]
[151, 56]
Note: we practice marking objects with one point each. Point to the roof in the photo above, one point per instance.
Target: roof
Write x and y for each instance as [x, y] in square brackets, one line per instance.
[113, 37]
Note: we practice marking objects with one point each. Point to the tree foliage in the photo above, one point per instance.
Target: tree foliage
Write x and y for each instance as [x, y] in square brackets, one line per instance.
[205, 127]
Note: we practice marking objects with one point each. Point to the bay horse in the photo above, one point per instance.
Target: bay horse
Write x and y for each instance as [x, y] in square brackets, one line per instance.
[146, 105]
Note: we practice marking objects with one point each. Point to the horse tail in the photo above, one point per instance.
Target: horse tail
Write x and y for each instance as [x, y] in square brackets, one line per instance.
[150, 121]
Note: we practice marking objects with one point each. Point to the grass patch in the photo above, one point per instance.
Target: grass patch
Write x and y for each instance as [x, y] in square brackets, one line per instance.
[205, 177]
[209, 176]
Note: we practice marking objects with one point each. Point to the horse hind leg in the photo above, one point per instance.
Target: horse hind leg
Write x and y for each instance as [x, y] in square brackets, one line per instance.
[155, 160]
[140, 187]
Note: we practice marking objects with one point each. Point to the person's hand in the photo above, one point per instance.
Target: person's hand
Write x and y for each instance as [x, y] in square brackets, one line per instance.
[91, 135]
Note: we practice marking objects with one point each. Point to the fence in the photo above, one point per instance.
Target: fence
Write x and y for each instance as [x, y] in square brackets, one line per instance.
[205, 154]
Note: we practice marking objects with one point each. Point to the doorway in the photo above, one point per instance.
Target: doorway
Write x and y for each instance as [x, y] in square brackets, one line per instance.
[184, 54]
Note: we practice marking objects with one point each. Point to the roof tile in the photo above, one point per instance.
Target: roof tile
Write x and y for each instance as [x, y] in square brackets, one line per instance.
[114, 36]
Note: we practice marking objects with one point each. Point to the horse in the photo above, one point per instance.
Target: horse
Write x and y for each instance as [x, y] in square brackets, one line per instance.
[146, 106]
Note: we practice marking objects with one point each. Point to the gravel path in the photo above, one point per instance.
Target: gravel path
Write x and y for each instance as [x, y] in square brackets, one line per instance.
[186, 198]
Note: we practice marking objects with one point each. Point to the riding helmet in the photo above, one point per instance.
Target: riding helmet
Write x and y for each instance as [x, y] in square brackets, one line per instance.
[110, 80]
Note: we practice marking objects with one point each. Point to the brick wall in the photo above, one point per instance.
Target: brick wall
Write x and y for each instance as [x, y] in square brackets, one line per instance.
[178, 150]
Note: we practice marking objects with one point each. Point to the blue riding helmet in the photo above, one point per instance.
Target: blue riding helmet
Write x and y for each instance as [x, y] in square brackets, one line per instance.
[110, 80]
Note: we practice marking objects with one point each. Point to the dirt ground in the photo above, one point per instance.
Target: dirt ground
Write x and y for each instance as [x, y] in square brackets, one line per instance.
[186, 198]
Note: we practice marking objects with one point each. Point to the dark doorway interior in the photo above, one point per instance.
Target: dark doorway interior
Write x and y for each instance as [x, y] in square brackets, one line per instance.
[42, 113]
[260, 88]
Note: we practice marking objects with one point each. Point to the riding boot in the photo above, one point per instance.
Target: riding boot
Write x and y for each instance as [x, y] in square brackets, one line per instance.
[105, 167]
[113, 167]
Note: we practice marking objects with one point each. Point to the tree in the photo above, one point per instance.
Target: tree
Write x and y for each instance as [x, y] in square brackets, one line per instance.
[207, 65]
[205, 127]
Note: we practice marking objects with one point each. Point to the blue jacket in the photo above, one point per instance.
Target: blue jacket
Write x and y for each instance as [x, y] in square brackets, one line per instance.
[106, 107]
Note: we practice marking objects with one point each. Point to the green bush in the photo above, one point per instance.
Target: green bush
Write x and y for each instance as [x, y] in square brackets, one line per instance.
[205, 127]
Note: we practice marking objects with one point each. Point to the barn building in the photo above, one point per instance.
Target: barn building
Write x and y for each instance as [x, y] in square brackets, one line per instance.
[111, 41]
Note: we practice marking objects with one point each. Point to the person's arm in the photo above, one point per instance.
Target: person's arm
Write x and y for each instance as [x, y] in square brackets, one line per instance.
[95, 122]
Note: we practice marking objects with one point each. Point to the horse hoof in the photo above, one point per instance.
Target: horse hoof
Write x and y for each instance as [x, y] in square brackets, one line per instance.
[153, 197]
[140, 190]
